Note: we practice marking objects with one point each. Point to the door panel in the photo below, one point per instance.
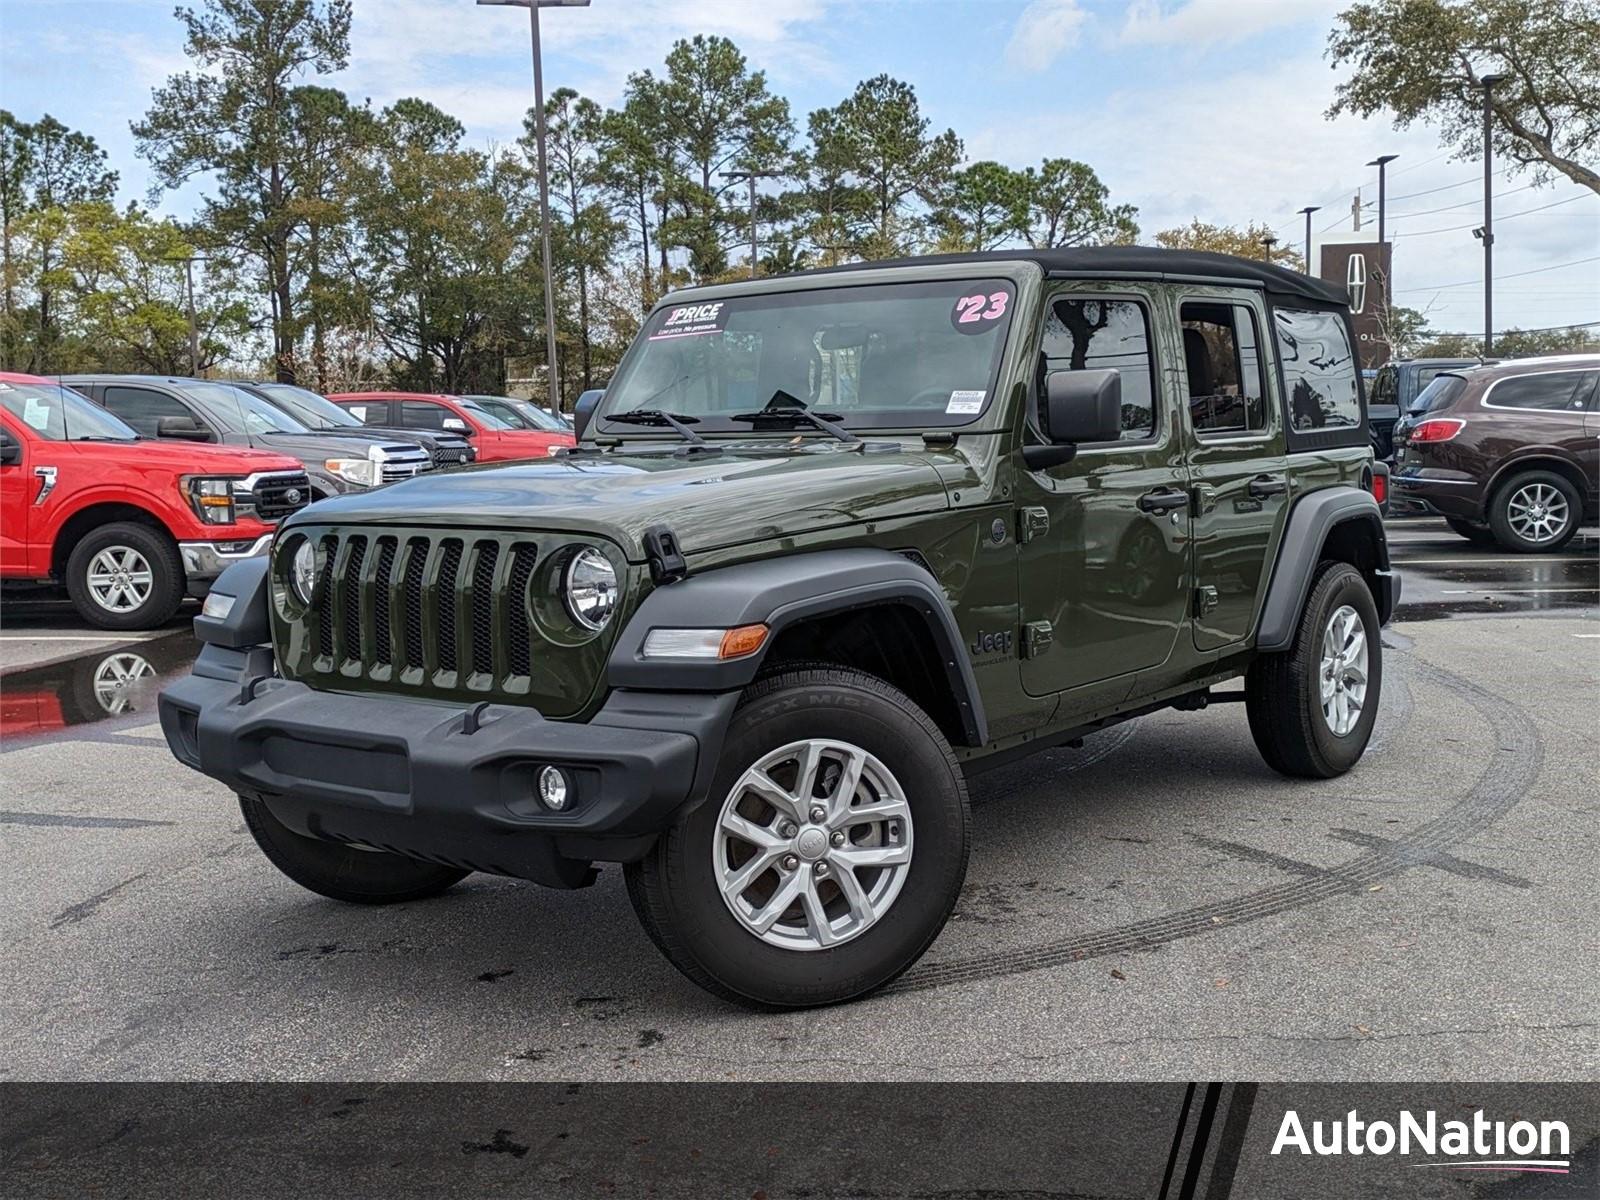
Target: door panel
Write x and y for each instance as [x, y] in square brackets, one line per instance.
[1107, 578]
[1237, 464]
[18, 486]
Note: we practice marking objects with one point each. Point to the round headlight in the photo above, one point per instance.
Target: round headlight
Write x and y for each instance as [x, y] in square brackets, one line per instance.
[591, 588]
[303, 571]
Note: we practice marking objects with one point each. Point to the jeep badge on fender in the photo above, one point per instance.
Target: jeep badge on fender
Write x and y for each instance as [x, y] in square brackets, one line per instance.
[751, 636]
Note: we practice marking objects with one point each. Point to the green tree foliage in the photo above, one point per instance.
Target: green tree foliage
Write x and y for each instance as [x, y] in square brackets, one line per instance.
[1425, 60]
[236, 119]
[1228, 239]
[982, 207]
[1067, 206]
[1511, 343]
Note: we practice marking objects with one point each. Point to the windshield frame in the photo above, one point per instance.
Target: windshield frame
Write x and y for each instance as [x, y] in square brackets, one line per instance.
[1022, 277]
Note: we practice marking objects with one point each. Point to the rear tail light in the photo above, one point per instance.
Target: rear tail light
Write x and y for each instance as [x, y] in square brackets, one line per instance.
[1439, 429]
[1378, 485]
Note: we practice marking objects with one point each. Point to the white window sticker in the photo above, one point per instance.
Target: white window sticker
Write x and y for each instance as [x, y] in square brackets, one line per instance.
[965, 402]
[36, 413]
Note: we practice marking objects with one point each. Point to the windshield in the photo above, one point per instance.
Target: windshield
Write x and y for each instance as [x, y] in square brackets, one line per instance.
[308, 407]
[524, 414]
[241, 409]
[887, 356]
[1439, 393]
[61, 414]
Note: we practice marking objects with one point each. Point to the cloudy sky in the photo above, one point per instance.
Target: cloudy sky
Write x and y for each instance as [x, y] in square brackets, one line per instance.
[1186, 108]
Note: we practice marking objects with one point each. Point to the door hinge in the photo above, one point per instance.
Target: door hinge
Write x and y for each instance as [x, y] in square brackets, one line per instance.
[1205, 599]
[1205, 499]
[1036, 638]
[1033, 522]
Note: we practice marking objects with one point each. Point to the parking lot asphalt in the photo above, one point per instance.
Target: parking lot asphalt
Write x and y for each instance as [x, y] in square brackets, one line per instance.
[1155, 905]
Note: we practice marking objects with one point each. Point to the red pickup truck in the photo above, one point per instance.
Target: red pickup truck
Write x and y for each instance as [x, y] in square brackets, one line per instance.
[495, 439]
[129, 524]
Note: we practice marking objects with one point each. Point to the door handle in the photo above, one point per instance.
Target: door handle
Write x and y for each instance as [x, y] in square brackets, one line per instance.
[1163, 500]
[1263, 486]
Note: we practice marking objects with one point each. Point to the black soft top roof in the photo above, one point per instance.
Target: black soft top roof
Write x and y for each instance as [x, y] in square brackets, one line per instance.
[1142, 262]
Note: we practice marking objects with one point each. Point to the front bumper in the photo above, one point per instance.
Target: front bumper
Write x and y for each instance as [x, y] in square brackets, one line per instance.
[405, 775]
[204, 561]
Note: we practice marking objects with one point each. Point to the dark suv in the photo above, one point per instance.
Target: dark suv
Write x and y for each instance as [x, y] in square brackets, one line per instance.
[829, 544]
[1395, 389]
[1507, 453]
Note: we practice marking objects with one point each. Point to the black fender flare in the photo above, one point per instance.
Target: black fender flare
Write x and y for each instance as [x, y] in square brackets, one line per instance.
[780, 592]
[1311, 520]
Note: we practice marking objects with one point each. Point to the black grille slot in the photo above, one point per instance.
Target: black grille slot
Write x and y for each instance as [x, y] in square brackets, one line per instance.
[449, 568]
[380, 600]
[352, 597]
[416, 567]
[486, 555]
[519, 638]
[330, 549]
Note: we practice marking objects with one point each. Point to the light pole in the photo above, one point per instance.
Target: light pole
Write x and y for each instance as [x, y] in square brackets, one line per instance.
[533, 7]
[1487, 232]
[752, 176]
[1306, 213]
[1267, 243]
[1382, 161]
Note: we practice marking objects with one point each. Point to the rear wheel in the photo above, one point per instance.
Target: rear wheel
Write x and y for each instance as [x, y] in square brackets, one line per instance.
[1312, 707]
[343, 872]
[1535, 512]
[125, 576]
[828, 855]
[1478, 535]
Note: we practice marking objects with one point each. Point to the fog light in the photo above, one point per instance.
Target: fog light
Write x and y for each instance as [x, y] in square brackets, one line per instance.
[553, 790]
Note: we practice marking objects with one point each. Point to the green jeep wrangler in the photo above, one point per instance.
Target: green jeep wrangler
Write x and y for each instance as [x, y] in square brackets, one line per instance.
[829, 544]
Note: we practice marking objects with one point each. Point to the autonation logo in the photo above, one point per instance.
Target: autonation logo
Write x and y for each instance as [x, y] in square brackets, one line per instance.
[1476, 1145]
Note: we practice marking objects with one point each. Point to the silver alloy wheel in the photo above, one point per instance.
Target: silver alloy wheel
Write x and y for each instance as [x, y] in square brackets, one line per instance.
[813, 844]
[115, 679]
[120, 579]
[1537, 513]
[1343, 678]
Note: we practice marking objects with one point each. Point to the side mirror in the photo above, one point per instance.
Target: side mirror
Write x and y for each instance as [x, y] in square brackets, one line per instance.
[1077, 407]
[456, 425]
[185, 429]
[583, 410]
[10, 449]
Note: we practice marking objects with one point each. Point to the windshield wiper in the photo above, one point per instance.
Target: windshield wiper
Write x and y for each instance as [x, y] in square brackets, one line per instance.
[787, 409]
[677, 422]
[103, 437]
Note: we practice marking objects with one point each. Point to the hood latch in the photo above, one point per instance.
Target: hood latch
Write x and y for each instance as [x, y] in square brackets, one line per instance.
[662, 552]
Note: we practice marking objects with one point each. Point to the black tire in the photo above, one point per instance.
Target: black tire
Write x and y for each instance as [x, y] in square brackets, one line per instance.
[343, 872]
[676, 894]
[1283, 691]
[1478, 535]
[1500, 512]
[167, 584]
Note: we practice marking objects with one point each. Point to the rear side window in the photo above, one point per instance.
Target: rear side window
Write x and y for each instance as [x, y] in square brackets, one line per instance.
[1090, 333]
[1440, 394]
[1321, 389]
[1553, 391]
[1223, 364]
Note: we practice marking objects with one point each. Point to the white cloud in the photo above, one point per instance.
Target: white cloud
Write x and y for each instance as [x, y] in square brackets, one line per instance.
[1045, 30]
[1210, 22]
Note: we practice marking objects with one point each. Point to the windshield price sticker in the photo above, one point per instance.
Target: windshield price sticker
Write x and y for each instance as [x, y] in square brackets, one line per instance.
[976, 313]
[965, 402]
[692, 320]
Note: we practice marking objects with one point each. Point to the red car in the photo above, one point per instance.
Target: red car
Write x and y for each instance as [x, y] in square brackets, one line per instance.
[129, 524]
[496, 440]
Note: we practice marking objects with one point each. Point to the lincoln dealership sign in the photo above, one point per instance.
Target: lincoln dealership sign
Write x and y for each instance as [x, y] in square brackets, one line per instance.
[1363, 268]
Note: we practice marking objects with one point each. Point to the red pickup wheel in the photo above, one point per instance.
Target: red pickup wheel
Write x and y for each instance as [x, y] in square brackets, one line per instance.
[125, 576]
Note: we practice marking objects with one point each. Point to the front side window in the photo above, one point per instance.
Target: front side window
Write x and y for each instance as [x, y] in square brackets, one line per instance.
[1556, 391]
[1227, 394]
[1321, 389]
[1088, 333]
[886, 356]
[419, 414]
[60, 414]
[144, 409]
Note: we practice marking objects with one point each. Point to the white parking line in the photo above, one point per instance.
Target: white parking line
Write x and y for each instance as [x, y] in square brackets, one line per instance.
[81, 637]
[1518, 559]
[1511, 591]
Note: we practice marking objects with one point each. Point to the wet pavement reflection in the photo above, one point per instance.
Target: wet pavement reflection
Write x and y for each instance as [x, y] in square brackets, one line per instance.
[1445, 576]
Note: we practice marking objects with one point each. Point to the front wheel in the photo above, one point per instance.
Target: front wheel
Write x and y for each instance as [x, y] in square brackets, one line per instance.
[1312, 707]
[828, 855]
[341, 872]
[125, 576]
